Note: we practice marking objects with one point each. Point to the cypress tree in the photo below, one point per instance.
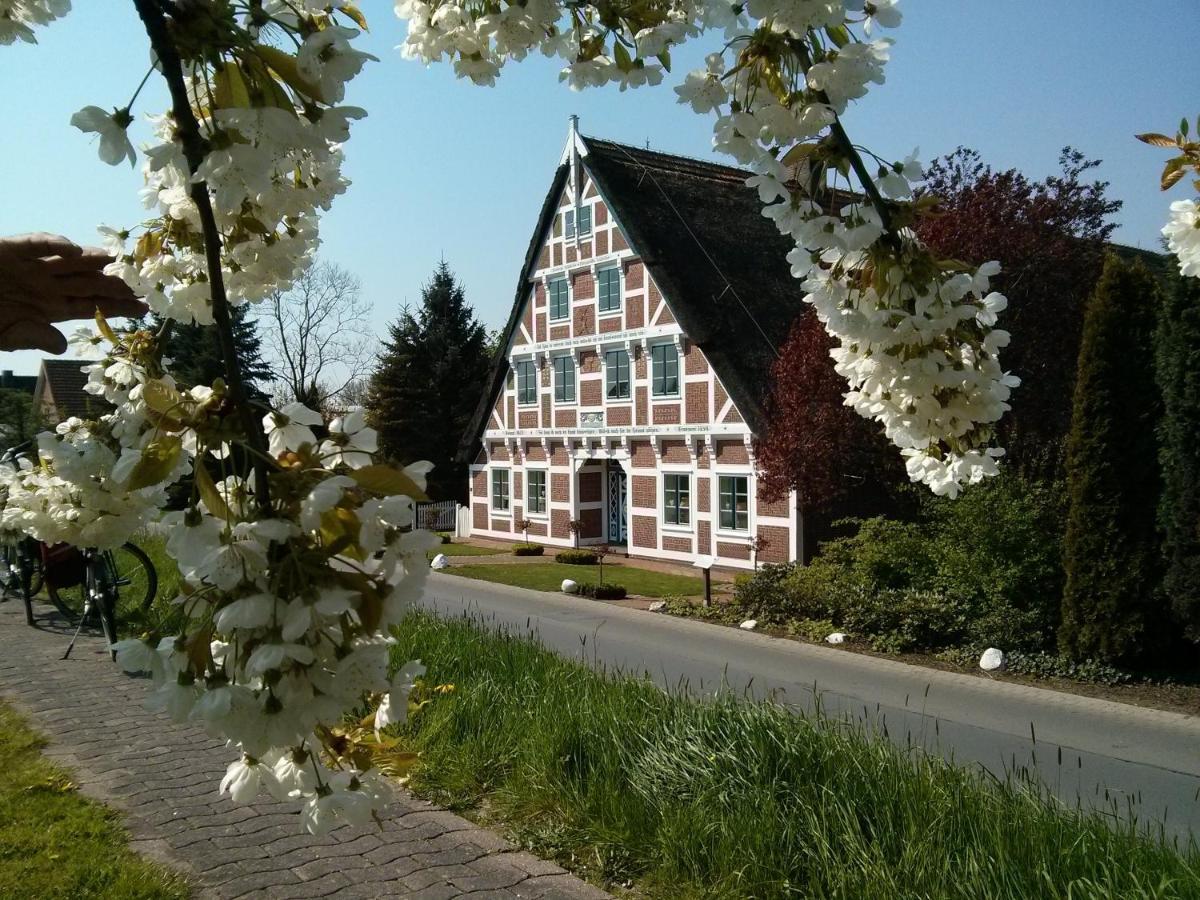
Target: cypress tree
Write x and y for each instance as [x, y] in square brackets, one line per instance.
[429, 381]
[1178, 365]
[1109, 608]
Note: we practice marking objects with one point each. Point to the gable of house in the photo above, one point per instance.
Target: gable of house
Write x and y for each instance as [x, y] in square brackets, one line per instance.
[693, 251]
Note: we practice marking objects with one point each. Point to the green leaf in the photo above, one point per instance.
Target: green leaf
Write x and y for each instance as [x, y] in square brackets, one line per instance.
[208, 490]
[382, 479]
[798, 153]
[665, 58]
[621, 56]
[105, 328]
[1183, 126]
[839, 34]
[159, 457]
[160, 396]
[284, 65]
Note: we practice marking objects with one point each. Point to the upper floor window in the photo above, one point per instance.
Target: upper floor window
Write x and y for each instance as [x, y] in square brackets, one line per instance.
[564, 379]
[734, 502]
[560, 305]
[500, 489]
[535, 499]
[569, 223]
[664, 365]
[616, 374]
[608, 284]
[526, 381]
[583, 220]
[676, 499]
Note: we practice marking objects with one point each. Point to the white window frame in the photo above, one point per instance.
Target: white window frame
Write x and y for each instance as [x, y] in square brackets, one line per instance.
[550, 300]
[517, 364]
[718, 528]
[678, 369]
[689, 475]
[574, 399]
[493, 495]
[545, 510]
[591, 229]
[629, 373]
[620, 307]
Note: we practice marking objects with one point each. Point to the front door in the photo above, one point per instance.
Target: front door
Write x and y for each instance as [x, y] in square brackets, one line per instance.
[617, 491]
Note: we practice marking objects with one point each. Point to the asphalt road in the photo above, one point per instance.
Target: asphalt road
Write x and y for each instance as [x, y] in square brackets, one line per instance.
[1145, 762]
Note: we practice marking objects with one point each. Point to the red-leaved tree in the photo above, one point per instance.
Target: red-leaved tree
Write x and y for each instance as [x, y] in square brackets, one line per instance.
[1049, 236]
[814, 443]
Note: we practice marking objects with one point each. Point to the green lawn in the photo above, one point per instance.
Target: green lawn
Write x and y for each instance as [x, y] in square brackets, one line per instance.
[467, 550]
[548, 576]
[56, 843]
[726, 799]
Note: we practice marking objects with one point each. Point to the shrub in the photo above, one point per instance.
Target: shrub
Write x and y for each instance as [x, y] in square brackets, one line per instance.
[577, 557]
[603, 591]
[447, 537]
[982, 569]
[528, 549]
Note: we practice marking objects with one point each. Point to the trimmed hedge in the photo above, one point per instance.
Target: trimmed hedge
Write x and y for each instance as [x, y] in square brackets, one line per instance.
[528, 549]
[603, 591]
[577, 557]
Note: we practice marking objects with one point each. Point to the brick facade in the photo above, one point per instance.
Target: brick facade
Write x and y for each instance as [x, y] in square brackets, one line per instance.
[581, 453]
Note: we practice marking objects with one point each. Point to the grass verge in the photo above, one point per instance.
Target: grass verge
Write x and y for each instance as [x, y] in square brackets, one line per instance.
[549, 576]
[730, 799]
[56, 843]
[466, 550]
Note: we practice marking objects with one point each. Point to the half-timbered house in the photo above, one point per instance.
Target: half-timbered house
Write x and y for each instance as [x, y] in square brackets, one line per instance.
[624, 404]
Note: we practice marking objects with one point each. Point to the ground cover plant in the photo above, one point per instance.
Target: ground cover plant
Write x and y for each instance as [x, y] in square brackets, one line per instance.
[549, 576]
[463, 550]
[56, 843]
[720, 799]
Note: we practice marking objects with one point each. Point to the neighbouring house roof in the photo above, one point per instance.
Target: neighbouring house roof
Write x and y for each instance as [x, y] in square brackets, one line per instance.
[60, 383]
[24, 383]
[718, 261]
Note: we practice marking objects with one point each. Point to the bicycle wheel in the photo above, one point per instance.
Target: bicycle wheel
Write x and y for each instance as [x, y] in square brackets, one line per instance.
[17, 559]
[10, 580]
[129, 573]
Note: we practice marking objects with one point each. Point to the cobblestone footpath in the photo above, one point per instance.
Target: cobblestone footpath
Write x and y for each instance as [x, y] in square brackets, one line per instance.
[164, 778]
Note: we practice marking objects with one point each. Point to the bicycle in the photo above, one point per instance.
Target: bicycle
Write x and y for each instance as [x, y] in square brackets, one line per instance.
[111, 584]
[21, 572]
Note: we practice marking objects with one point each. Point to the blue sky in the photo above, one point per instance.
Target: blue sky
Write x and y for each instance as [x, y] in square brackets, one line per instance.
[443, 168]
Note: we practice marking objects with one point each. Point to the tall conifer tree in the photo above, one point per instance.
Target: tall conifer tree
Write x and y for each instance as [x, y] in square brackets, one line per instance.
[429, 381]
[196, 352]
[1178, 361]
[1111, 609]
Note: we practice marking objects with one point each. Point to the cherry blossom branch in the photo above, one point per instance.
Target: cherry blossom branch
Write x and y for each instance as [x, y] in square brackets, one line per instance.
[194, 150]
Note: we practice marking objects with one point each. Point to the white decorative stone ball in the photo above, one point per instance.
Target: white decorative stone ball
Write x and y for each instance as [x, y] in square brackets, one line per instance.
[569, 586]
[837, 637]
[440, 562]
[991, 660]
[749, 625]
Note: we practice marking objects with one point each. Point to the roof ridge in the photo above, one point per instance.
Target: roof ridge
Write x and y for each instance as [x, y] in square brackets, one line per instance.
[717, 169]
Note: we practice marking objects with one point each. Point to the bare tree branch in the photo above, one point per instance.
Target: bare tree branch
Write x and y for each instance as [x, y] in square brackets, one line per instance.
[318, 336]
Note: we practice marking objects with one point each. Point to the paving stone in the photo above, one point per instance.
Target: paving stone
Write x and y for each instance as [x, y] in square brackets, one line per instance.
[164, 778]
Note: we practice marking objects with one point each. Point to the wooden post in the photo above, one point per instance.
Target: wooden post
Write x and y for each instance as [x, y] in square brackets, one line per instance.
[708, 587]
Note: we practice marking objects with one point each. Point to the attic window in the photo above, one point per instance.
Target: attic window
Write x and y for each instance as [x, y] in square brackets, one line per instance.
[609, 287]
[581, 216]
[559, 299]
